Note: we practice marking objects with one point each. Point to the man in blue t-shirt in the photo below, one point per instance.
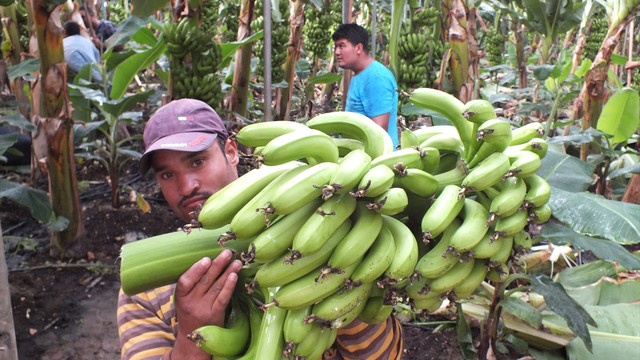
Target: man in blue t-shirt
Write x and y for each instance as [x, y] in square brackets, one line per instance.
[373, 89]
[79, 51]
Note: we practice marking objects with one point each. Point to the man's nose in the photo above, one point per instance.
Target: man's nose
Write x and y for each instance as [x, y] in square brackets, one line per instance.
[188, 184]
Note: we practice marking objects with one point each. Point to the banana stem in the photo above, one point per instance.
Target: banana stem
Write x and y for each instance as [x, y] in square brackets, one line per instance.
[554, 110]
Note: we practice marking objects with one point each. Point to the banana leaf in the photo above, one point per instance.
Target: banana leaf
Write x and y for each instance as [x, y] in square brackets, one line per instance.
[620, 116]
[566, 172]
[596, 216]
[606, 291]
[616, 337]
[35, 199]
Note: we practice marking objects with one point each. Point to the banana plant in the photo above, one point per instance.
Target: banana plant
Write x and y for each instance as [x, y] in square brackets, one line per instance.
[52, 114]
[620, 14]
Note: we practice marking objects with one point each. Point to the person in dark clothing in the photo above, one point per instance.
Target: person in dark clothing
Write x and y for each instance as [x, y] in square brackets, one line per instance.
[22, 145]
[100, 30]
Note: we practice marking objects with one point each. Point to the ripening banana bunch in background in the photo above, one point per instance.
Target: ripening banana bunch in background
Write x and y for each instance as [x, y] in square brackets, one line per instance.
[595, 37]
[279, 40]
[494, 46]
[333, 225]
[318, 26]
[195, 57]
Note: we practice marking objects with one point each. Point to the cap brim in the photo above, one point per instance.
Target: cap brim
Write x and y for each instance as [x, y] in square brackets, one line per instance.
[187, 142]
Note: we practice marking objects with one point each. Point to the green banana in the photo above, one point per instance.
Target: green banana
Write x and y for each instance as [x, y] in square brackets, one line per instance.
[430, 159]
[309, 143]
[522, 241]
[295, 327]
[346, 145]
[536, 145]
[225, 341]
[408, 158]
[220, 207]
[441, 213]
[302, 188]
[540, 215]
[526, 132]
[347, 318]
[305, 347]
[323, 223]
[357, 126]
[375, 310]
[495, 131]
[503, 254]
[416, 181]
[478, 111]
[340, 303]
[452, 277]
[426, 132]
[441, 257]
[509, 199]
[286, 269]
[351, 169]
[324, 343]
[473, 227]
[375, 182]
[487, 173]
[465, 288]
[451, 177]
[523, 164]
[488, 246]
[510, 225]
[408, 139]
[445, 104]
[377, 259]
[391, 202]
[420, 289]
[406, 249]
[270, 337]
[538, 191]
[444, 143]
[430, 304]
[260, 133]
[312, 287]
[277, 238]
[363, 233]
[257, 214]
[255, 323]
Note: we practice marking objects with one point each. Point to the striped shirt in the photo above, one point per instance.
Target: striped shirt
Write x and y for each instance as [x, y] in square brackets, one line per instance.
[147, 327]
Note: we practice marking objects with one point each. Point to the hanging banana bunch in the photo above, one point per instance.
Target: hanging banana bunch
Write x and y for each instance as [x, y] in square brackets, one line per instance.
[494, 46]
[597, 33]
[279, 40]
[209, 17]
[318, 26]
[194, 60]
[228, 20]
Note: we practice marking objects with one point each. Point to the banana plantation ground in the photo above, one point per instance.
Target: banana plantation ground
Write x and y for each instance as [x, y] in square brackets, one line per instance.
[67, 310]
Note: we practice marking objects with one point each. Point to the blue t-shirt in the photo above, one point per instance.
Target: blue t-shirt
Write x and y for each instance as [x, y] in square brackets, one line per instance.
[373, 92]
[78, 51]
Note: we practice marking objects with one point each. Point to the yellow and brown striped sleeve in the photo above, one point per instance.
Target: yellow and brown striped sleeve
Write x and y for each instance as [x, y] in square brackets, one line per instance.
[146, 324]
[359, 340]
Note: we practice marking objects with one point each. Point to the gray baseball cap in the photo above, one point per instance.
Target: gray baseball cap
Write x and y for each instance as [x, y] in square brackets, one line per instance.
[188, 125]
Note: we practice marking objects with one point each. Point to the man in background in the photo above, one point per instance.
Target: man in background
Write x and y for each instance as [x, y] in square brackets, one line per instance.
[373, 89]
[78, 51]
[100, 30]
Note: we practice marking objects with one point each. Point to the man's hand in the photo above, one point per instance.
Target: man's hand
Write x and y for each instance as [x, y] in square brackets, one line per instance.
[201, 297]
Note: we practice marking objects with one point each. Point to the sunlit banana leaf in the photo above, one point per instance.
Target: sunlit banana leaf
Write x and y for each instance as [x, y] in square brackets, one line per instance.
[597, 216]
[606, 291]
[617, 335]
[566, 172]
[620, 116]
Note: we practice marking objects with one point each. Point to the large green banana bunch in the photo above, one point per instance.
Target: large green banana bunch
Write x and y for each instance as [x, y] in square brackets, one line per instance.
[279, 40]
[494, 46]
[332, 233]
[595, 37]
[195, 57]
[209, 16]
[318, 26]
[229, 20]
[117, 12]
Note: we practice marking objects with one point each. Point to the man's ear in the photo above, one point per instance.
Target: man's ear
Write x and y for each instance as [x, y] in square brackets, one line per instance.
[359, 48]
[231, 152]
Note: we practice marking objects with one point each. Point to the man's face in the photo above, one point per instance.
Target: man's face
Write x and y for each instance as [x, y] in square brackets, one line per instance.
[188, 179]
[346, 53]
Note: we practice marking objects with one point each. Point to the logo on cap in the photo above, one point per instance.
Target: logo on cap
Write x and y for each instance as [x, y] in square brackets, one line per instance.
[185, 118]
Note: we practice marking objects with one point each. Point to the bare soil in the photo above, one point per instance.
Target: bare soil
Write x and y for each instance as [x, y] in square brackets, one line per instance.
[66, 308]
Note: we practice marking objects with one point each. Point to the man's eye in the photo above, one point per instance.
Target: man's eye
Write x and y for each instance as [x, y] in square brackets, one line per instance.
[166, 175]
[197, 162]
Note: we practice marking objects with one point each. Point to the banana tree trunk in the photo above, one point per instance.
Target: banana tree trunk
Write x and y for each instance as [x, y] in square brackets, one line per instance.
[8, 347]
[296, 21]
[593, 91]
[242, 71]
[521, 59]
[456, 16]
[52, 115]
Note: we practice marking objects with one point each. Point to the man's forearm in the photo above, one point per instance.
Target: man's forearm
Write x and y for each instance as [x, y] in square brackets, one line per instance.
[382, 120]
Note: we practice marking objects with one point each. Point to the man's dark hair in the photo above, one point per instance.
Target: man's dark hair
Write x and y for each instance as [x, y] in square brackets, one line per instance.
[354, 33]
[87, 10]
[71, 28]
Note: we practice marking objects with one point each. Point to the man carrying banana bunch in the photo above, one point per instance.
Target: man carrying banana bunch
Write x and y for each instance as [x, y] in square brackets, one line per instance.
[372, 91]
[192, 156]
